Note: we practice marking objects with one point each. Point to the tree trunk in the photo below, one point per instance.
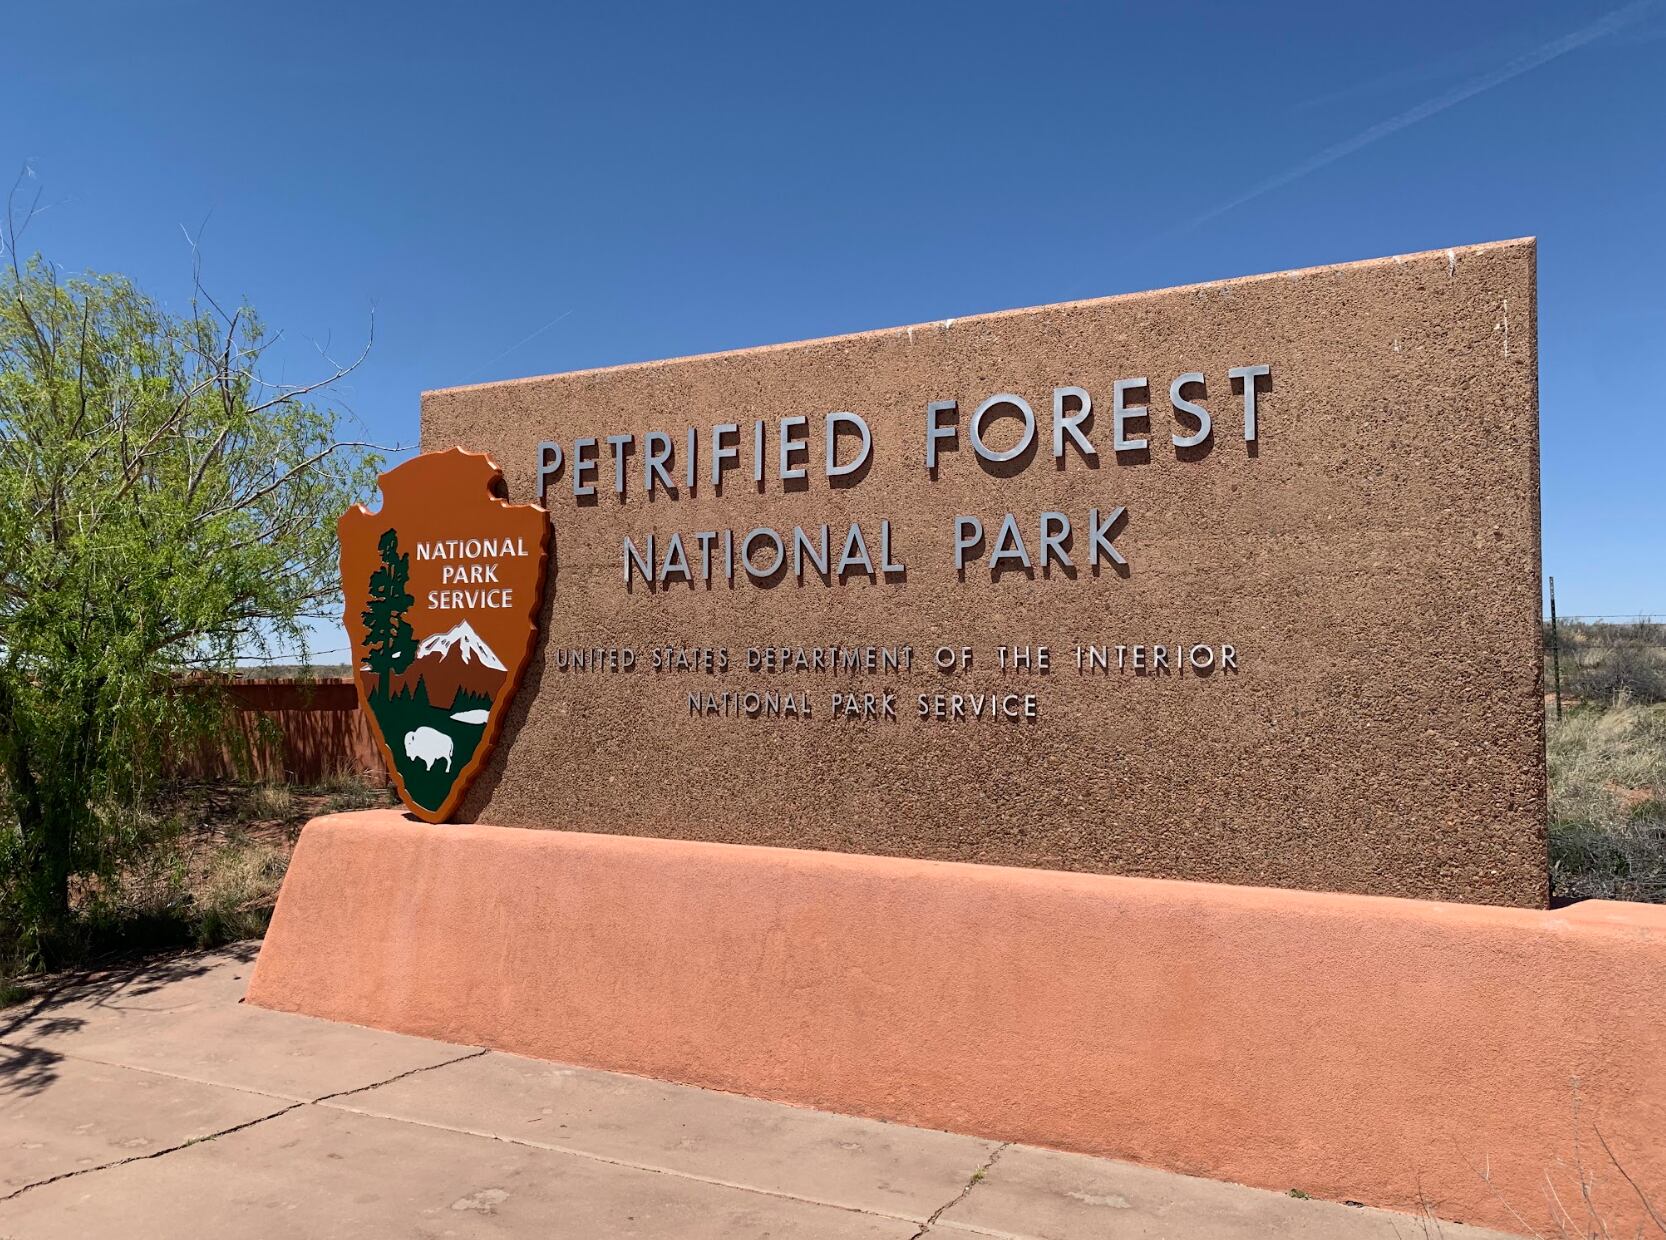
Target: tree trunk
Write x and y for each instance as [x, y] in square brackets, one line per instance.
[49, 819]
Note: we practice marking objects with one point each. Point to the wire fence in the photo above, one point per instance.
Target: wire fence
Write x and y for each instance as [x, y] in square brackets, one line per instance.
[294, 660]
[1601, 657]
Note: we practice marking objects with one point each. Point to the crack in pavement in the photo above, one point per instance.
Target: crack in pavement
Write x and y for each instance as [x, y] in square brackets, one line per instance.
[975, 1179]
[122, 1162]
[224, 1132]
[400, 1076]
[332, 1102]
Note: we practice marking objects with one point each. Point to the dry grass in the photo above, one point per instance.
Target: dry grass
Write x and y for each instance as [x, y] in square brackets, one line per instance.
[269, 801]
[1608, 802]
[350, 792]
[203, 887]
[201, 868]
[234, 889]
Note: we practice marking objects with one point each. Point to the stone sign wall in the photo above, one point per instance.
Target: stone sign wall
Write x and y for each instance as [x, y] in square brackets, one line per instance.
[1236, 582]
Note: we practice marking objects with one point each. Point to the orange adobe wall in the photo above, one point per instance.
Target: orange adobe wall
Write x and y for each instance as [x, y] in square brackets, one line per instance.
[1361, 1048]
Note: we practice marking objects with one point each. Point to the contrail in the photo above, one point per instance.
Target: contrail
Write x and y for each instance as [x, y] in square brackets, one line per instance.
[1525, 63]
[527, 340]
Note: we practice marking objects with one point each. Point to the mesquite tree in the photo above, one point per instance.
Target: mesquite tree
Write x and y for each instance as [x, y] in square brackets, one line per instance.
[163, 509]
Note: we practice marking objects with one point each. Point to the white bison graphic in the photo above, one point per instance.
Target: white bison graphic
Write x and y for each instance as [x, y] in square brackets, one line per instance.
[429, 745]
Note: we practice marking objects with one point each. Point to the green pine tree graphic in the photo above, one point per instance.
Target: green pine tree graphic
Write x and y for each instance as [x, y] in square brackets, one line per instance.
[389, 643]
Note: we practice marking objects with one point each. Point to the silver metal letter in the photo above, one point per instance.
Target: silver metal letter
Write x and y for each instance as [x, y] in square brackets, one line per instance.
[789, 445]
[855, 553]
[705, 538]
[549, 464]
[1024, 440]
[1249, 374]
[1009, 545]
[1122, 413]
[644, 563]
[802, 546]
[968, 533]
[618, 444]
[834, 421]
[762, 531]
[886, 563]
[1055, 528]
[1071, 426]
[723, 452]
[656, 452]
[581, 467]
[1182, 405]
[934, 432]
[675, 562]
[1101, 535]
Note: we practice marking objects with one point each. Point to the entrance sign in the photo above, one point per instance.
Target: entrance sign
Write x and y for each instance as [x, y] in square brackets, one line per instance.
[1235, 582]
[443, 586]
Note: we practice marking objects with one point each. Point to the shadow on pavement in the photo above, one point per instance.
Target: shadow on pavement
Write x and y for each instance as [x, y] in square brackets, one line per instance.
[26, 1068]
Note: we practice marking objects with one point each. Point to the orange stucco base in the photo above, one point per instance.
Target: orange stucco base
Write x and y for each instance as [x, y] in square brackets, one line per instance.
[1456, 1058]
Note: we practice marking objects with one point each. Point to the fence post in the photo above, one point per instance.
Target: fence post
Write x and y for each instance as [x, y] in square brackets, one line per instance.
[1555, 650]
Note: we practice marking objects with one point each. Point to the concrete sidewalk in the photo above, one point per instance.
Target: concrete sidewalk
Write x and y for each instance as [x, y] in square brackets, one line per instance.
[150, 1102]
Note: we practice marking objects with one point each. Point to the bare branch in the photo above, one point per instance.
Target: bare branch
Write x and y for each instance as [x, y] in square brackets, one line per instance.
[289, 395]
[13, 231]
[1648, 1205]
[197, 286]
[291, 473]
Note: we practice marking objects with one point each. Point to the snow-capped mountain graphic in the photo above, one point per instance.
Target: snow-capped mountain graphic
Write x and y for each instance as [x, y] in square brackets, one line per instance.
[456, 660]
[469, 645]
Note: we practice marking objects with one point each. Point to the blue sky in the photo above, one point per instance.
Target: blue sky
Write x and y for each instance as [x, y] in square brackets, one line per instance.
[521, 189]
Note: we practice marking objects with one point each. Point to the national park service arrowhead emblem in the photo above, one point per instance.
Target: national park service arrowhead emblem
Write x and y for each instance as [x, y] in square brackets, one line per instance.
[443, 587]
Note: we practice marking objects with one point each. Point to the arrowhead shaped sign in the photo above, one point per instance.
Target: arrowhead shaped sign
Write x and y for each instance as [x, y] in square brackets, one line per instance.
[443, 587]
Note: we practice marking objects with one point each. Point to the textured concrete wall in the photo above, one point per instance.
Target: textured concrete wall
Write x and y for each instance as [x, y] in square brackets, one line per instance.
[1394, 1052]
[1372, 558]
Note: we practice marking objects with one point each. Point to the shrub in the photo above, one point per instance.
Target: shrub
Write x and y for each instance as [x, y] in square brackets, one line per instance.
[1630, 670]
[163, 506]
[1603, 662]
